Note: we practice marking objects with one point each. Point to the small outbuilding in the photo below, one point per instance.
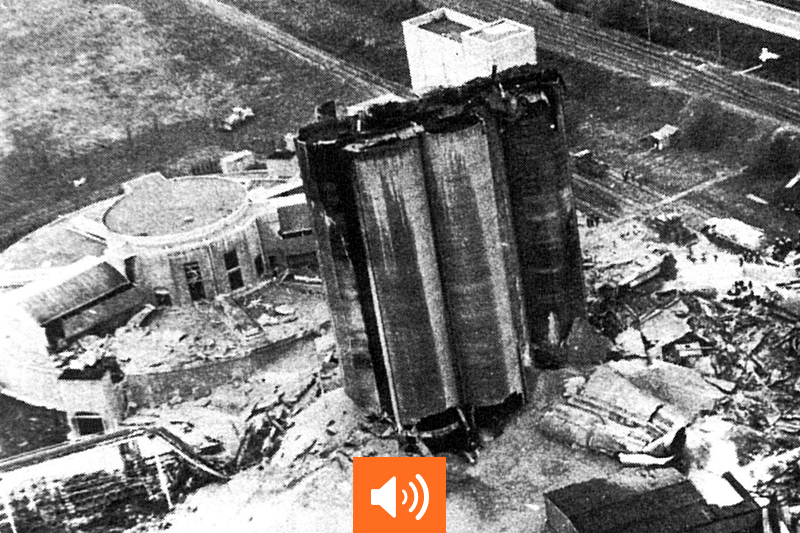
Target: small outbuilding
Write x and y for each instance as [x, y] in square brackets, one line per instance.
[660, 501]
[662, 138]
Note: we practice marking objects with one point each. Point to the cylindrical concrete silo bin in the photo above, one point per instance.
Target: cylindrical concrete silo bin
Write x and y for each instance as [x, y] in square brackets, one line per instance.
[540, 184]
[471, 242]
[327, 179]
[393, 206]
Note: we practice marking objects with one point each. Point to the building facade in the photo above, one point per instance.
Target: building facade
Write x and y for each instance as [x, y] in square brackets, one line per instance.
[163, 242]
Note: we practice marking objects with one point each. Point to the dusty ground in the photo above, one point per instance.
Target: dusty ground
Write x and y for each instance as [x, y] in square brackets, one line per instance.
[503, 492]
[176, 337]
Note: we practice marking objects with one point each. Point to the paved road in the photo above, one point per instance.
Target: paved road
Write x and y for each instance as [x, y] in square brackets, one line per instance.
[767, 17]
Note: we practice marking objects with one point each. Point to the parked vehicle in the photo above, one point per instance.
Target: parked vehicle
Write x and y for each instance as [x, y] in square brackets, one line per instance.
[238, 117]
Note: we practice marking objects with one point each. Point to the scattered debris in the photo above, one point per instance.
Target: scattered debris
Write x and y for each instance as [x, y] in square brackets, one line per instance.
[610, 414]
[630, 343]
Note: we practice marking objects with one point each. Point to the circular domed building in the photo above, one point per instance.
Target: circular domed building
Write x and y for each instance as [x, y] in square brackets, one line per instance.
[190, 238]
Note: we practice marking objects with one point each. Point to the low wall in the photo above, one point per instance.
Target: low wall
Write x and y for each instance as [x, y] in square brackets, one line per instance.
[155, 388]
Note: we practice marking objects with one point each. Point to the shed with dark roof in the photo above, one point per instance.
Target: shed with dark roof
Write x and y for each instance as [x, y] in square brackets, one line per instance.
[87, 286]
[661, 501]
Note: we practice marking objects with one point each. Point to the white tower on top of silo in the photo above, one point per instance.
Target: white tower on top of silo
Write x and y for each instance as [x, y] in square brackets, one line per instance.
[447, 48]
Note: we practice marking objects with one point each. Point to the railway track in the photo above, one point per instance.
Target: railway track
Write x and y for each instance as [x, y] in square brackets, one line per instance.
[611, 200]
[576, 37]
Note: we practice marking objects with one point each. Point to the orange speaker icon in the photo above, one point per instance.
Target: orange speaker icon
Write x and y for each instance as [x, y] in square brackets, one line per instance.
[411, 493]
[386, 497]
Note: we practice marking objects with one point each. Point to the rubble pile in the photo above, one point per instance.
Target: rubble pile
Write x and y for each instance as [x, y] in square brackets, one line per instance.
[284, 309]
[718, 325]
[630, 408]
[169, 338]
[158, 339]
[334, 430]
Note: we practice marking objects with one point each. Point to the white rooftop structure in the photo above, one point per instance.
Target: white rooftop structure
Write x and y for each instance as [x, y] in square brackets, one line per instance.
[447, 48]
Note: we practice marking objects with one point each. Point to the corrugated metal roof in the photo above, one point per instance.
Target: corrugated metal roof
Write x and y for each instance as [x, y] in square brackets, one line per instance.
[54, 300]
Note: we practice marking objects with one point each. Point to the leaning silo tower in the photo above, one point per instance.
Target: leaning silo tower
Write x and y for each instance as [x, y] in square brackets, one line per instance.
[543, 206]
[459, 235]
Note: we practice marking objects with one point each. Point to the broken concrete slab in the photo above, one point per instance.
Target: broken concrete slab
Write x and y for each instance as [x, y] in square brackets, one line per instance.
[664, 328]
[585, 345]
[611, 415]
[651, 269]
[630, 343]
[683, 388]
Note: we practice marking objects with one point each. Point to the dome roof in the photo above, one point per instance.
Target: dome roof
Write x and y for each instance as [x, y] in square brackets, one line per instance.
[158, 206]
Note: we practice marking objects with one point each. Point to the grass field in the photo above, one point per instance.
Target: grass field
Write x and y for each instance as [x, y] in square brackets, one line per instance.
[108, 91]
[365, 32]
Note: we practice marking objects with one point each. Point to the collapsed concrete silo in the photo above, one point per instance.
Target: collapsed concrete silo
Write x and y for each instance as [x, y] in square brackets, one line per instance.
[328, 183]
[404, 272]
[543, 207]
[475, 244]
[469, 249]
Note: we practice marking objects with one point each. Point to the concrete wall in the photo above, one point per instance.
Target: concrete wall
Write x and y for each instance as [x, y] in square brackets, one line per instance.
[284, 167]
[26, 368]
[99, 396]
[28, 373]
[162, 267]
[159, 265]
[158, 387]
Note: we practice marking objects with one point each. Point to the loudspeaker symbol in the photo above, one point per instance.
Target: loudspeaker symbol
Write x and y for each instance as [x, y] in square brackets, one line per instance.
[386, 497]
